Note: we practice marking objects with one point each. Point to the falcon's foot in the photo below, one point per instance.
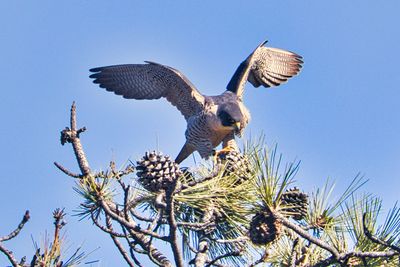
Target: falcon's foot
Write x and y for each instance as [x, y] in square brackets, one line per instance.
[223, 151]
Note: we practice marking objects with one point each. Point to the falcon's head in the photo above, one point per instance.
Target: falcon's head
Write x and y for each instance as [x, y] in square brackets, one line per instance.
[231, 116]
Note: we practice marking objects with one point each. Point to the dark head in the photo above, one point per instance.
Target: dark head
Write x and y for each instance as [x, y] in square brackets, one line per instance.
[230, 116]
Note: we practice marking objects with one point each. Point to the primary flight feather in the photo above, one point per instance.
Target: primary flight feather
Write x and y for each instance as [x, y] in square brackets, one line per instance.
[210, 119]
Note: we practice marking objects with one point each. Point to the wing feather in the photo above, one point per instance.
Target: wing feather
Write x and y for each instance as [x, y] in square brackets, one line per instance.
[266, 66]
[275, 66]
[150, 81]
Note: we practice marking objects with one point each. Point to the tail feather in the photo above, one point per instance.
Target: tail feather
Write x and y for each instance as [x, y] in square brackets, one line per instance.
[184, 153]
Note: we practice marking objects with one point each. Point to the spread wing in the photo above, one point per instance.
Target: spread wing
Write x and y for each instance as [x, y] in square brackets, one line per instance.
[266, 66]
[150, 81]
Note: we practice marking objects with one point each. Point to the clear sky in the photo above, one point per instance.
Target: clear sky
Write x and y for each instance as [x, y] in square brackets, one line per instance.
[340, 116]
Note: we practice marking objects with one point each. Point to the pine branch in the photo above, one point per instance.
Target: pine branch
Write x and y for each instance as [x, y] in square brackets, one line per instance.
[131, 250]
[9, 255]
[230, 254]
[104, 228]
[375, 239]
[14, 233]
[72, 135]
[66, 171]
[240, 239]
[293, 256]
[4, 250]
[201, 256]
[117, 243]
[128, 224]
[173, 236]
[306, 235]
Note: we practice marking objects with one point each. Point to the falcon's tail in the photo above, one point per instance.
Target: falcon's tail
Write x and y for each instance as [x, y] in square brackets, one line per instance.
[184, 153]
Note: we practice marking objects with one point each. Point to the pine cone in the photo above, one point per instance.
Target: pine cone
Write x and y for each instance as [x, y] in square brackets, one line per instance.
[296, 202]
[235, 163]
[264, 228]
[156, 172]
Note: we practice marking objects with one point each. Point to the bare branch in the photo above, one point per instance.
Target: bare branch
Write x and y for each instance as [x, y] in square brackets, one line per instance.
[9, 255]
[173, 236]
[131, 250]
[196, 226]
[140, 217]
[126, 196]
[236, 240]
[103, 228]
[130, 224]
[186, 240]
[19, 228]
[71, 135]
[117, 243]
[156, 221]
[230, 254]
[66, 171]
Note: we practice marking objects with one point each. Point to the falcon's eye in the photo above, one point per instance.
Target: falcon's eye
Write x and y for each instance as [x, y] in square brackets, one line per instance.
[226, 119]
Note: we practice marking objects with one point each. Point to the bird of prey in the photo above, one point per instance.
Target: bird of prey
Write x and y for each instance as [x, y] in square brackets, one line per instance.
[210, 119]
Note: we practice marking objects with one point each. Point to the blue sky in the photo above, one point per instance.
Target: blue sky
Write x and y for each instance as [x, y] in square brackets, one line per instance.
[340, 116]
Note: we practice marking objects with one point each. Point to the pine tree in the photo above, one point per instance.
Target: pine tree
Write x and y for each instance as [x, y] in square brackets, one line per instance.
[238, 210]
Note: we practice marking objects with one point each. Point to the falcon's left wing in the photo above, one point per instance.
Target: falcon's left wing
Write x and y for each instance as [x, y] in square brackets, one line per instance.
[151, 81]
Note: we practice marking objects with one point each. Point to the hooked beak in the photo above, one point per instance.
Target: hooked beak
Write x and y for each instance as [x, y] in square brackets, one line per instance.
[236, 125]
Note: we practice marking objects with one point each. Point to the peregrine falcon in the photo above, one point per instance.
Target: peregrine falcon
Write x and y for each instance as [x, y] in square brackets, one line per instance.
[210, 119]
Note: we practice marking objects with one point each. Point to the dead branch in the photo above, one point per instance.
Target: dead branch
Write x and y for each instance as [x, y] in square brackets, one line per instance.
[4, 250]
[67, 172]
[173, 236]
[104, 228]
[117, 243]
[230, 254]
[14, 233]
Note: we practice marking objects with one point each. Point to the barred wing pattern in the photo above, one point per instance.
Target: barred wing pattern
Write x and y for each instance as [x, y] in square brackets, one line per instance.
[266, 66]
[274, 66]
[151, 81]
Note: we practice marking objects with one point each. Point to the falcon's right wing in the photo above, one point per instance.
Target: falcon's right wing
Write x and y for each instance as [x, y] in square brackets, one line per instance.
[150, 81]
[266, 66]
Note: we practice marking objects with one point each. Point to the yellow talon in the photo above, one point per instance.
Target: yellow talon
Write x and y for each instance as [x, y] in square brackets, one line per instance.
[224, 150]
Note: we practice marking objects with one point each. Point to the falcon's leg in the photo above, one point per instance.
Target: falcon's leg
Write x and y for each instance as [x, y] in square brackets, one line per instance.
[184, 153]
[228, 144]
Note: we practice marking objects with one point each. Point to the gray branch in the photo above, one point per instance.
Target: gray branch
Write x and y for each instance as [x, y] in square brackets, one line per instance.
[14, 233]
[117, 243]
